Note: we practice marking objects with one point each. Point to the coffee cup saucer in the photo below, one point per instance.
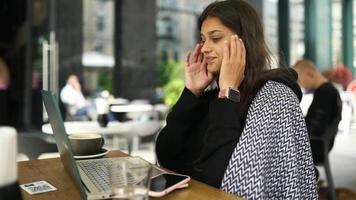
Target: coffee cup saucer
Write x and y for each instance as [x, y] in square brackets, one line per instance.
[102, 153]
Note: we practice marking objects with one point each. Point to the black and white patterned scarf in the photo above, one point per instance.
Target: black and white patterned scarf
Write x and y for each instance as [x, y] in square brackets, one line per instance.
[272, 159]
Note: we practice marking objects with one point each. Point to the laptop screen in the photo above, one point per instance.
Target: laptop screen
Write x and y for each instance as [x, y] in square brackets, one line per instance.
[61, 137]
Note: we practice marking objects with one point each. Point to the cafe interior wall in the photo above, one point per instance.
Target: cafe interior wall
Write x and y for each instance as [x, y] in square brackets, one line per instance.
[23, 26]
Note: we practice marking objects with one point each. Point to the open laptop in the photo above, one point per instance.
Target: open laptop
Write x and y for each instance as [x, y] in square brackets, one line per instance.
[90, 176]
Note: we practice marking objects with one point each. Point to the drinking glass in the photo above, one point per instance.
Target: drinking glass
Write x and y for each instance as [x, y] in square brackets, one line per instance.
[130, 181]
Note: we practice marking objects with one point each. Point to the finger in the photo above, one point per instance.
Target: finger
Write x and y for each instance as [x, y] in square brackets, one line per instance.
[210, 75]
[187, 59]
[242, 57]
[233, 47]
[238, 51]
[226, 51]
[200, 54]
[195, 53]
[243, 52]
[205, 67]
[200, 57]
[203, 63]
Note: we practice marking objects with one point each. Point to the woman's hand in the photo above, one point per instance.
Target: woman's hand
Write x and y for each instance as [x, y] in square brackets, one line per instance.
[197, 77]
[233, 63]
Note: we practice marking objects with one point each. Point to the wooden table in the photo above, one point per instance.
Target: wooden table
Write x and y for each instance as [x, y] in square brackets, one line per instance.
[52, 171]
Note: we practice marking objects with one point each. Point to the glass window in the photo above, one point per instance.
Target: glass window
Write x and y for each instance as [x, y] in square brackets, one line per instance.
[354, 31]
[270, 21]
[98, 44]
[177, 27]
[177, 33]
[297, 45]
[336, 31]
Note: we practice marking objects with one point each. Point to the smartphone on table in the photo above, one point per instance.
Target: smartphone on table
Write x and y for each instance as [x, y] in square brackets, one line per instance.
[164, 183]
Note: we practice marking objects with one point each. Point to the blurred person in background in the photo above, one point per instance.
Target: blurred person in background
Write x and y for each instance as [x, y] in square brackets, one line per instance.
[325, 107]
[72, 96]
[4, 93]
[4, 75]
[246, 136]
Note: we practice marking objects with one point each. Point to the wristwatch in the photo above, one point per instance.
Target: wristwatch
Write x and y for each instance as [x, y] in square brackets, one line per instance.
[231, 94]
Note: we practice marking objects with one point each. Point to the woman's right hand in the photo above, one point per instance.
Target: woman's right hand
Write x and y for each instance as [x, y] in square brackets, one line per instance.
[197, 77]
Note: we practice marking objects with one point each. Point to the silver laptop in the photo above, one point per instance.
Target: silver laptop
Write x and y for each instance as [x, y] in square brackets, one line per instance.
[90, 176]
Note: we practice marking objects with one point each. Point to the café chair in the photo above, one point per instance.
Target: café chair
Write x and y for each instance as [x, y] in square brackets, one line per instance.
[149, 114]
[326, 140]
[147, 121]
[143, 143]
[34, 144]
[48, 155]
[162, 110]
[22, 157]
[64, 108]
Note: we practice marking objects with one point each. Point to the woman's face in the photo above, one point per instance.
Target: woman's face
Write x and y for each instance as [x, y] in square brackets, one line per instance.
[213, 34]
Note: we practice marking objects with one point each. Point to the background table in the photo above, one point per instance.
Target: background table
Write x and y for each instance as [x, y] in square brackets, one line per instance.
[131, 108]
[92, 127]
[131, 130]
[52, 171]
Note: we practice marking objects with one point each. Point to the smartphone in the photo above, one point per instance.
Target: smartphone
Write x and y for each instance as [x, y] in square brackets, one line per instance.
[167, 182]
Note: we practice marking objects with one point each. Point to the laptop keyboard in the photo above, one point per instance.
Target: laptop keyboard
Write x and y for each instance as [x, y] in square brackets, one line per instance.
[98, 173]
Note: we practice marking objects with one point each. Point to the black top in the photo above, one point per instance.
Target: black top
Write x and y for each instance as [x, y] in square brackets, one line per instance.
[201, 134]
[326, 106]
[11, 191]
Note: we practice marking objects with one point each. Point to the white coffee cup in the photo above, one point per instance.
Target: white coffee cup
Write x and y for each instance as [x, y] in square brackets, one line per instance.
[86, 143]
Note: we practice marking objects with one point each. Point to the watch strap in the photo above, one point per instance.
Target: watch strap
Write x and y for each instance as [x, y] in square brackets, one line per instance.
[229, 93]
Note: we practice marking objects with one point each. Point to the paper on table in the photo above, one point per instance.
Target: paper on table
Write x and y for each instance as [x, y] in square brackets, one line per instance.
[38, 187]
[8, 153]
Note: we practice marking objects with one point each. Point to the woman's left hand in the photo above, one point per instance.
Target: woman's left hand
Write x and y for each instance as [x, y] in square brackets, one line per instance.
[233, 63]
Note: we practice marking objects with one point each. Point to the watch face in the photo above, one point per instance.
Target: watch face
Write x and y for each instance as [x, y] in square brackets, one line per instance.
[234, 95]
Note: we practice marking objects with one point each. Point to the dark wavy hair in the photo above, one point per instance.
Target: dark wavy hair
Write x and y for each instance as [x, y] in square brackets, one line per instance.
[241, 17]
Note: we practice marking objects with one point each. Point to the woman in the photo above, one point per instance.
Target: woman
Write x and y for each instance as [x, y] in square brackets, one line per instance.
[248, 135]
